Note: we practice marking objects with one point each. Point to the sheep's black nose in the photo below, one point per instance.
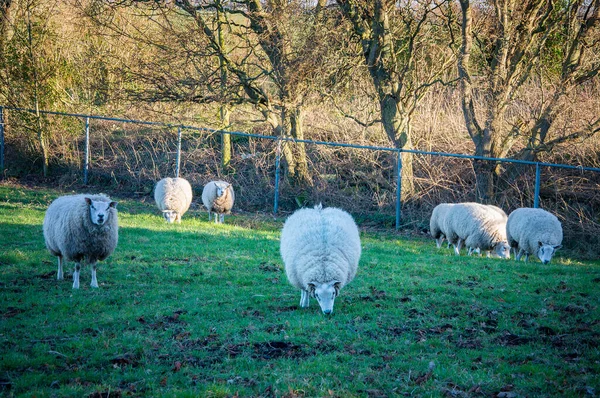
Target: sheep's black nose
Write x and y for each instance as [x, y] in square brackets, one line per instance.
[546, 261]
[327, 312]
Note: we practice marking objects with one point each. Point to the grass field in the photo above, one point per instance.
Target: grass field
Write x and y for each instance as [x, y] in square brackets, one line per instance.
[199, 309]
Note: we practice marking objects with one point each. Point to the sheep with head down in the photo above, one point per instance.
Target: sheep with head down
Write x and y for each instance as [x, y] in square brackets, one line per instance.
[478, 227]
[321, 250]
[81, 228]
[173, 196]
[534, 231]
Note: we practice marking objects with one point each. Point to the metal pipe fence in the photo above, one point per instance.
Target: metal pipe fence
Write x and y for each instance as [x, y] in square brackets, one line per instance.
[279, 142]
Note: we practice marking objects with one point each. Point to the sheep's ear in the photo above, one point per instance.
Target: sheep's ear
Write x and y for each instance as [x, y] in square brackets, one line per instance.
[540, 244]
[113, 205]
[336, 286]
[557, 247]
[88, 201]
[311, 289]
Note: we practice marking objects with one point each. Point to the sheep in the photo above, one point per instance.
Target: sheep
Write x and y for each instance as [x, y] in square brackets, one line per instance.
[534, 231]
[218, 197]
[436, 223]
[321, 250]
[81, 227]
[477, 226]
[173, 197]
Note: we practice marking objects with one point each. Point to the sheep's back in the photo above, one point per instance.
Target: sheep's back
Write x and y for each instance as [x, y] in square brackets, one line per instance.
[320, 245]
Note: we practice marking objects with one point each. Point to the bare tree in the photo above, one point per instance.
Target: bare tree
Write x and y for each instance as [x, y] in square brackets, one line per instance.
[513, 44]
[407, 48]
[247, 51]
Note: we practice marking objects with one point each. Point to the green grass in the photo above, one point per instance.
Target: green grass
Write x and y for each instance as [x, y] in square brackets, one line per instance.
[202, 310]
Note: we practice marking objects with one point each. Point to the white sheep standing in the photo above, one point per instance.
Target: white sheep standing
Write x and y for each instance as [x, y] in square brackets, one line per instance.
[320, 249]
[218, 197]
[534, 231]
[436, 222]
[477, 226]
[81, 228]
[173, 197]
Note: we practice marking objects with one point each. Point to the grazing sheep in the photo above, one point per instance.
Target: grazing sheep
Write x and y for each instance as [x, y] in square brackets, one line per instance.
[534, 231]
[320, 249]
[173, 197]
[477, 226]
[436, 223]
[218, 197]
[81, 227]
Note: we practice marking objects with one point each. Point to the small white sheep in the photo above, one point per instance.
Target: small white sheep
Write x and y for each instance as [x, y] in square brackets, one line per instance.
[173, 197]
[320, 249]
[81, 228]
[477, 226]
[534, 231]
[218, 197]
[436, 222]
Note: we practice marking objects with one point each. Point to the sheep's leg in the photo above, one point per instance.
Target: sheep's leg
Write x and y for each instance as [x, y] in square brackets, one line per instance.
[526, 257]
[178, 218]
[216, 218]
[209, 218]
[221, 218]
[439, 241]
[76, 276]
[458, 246]
[304, 297]
[59, 274]
[518, 254]
[94, 280]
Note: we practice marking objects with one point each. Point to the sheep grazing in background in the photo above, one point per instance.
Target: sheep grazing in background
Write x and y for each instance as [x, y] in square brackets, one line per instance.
[320, 249]
[436, 223]
[534, 231]
[218, 197]
[81, 228]
[477, 226]
[173, 197]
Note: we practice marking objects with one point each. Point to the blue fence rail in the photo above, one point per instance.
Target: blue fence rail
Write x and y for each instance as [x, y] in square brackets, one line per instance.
[279, 140]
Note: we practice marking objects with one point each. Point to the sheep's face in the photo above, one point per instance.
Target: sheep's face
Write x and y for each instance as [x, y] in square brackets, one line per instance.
[221, 190]
[545, 252]
[325, 293]
[99, 211]
[502, 250]
[170, 215]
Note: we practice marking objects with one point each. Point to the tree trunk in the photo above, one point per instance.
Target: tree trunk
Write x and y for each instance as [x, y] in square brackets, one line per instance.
[225, 114]
[297, 131]
[278, 129]
[396, 124]
[36, 99]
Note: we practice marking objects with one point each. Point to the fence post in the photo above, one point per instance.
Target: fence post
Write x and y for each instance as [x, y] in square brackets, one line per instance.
[178, 151]
[86, 153]
[277, 164]
[398, 188]
[536, 199]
